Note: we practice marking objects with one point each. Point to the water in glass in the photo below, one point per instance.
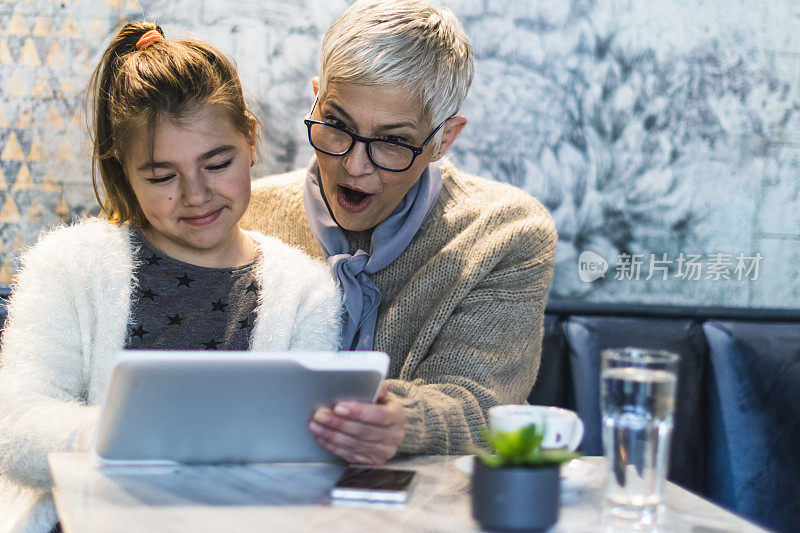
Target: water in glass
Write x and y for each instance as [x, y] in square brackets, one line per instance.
[638, 407]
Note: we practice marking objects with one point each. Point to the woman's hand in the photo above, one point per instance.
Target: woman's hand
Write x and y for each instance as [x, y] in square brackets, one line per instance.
[360, 432]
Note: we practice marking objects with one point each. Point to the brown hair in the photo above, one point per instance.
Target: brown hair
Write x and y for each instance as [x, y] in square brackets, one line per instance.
[132, 88]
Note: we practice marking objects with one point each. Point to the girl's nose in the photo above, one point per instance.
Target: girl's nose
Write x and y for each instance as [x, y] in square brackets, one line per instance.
[195, 190]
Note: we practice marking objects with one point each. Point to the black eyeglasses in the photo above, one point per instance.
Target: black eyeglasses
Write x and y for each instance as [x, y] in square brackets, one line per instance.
[393, 156]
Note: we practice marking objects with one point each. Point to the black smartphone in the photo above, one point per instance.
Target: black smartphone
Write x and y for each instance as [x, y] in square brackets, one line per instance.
[362, 483]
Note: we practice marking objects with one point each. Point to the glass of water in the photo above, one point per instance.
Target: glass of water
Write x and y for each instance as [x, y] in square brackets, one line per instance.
[637, 396]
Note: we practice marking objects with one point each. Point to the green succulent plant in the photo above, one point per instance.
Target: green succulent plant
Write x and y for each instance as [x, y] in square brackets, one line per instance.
[522, 447]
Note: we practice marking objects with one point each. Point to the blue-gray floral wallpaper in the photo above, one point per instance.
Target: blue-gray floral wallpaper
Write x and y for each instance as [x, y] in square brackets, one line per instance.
[664, 137]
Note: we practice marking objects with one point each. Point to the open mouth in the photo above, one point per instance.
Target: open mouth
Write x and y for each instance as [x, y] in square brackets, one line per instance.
[353, 200]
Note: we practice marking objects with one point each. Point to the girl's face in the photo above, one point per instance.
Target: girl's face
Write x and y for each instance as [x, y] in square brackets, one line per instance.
[195, 188]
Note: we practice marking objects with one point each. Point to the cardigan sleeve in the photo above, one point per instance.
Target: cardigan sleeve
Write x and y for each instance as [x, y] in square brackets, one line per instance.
[299, 304]
[318, 321]
[42, 389]
[487, 352]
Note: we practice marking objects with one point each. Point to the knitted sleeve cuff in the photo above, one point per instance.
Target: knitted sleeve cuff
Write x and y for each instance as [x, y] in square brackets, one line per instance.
[415, 439]
[425, 432]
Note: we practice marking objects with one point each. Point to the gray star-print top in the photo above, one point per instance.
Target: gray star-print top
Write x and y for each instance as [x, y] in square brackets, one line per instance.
[178, 306]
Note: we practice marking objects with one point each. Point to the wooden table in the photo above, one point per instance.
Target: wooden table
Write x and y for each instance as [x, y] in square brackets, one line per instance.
[242, 498]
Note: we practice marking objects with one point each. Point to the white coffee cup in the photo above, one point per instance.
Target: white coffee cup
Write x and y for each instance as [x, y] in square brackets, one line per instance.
[563, 428]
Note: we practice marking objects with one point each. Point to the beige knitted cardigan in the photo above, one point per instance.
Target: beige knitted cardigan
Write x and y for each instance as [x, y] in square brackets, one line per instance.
[462, 308]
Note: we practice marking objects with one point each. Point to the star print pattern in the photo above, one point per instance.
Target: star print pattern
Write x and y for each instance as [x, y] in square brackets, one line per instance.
[139, 331]
[179, 306]
[219, 305]
[184, 280]
[211, 345]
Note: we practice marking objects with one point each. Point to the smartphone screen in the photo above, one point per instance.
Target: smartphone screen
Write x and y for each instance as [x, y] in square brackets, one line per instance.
[373, 484]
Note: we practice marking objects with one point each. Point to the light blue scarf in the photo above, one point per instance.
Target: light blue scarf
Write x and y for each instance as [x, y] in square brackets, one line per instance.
[389, 240]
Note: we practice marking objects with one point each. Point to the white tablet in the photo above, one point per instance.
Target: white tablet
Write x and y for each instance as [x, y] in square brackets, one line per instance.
[240, 407]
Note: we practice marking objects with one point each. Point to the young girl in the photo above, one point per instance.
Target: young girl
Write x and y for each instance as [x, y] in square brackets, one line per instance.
[166, 267]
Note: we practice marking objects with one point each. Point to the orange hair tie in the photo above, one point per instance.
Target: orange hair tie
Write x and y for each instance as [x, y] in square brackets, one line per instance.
[150, 37]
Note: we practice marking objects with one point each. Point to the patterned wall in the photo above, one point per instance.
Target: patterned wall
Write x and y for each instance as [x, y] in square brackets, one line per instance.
[47, 51]
[663, 136]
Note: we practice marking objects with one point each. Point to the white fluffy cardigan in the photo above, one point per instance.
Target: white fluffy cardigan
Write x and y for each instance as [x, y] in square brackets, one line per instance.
[67, 321]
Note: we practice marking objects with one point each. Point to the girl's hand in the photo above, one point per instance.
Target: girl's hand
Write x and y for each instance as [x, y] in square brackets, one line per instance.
[359, 432]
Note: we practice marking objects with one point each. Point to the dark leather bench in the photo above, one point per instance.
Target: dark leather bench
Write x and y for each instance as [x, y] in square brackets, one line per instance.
[737, 423]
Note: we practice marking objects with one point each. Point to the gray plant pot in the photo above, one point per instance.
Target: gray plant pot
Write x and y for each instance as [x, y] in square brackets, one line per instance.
[515, 498]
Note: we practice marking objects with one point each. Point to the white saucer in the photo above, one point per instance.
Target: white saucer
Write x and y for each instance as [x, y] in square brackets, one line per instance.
[575, 474]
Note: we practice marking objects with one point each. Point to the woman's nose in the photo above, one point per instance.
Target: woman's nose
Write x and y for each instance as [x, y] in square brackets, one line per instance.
[356, 161]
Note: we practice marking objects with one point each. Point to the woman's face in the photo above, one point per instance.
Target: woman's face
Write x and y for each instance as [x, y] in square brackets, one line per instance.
[196, 186]
[360, 194]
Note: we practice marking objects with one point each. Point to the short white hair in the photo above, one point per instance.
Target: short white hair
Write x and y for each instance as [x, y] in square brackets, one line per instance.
[403, 43]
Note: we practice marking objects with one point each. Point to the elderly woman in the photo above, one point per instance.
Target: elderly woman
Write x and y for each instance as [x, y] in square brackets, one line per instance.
[446, 272]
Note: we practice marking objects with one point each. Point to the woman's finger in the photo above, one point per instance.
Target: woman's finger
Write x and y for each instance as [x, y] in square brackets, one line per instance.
[360, 430]
[375, 454]
[386, 413]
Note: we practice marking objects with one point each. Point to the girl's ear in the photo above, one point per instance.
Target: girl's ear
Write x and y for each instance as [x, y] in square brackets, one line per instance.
[253, 153]
[253, 141]
[122, 169]
[253, 138]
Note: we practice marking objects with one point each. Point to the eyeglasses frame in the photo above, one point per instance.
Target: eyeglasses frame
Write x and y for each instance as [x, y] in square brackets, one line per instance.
[368, 140]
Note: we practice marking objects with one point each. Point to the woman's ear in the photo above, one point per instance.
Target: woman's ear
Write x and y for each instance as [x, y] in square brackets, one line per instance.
[315, 85]
[451, 129]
